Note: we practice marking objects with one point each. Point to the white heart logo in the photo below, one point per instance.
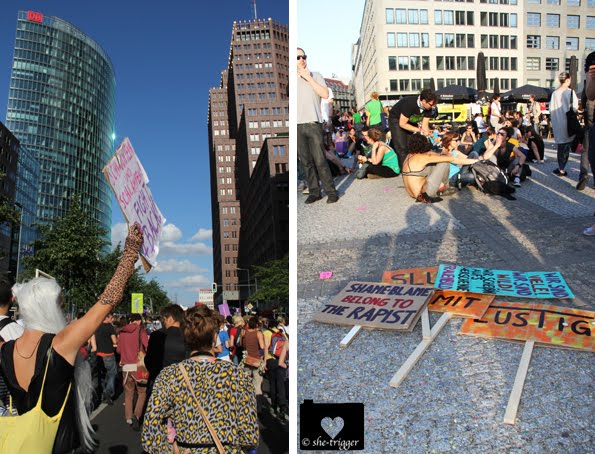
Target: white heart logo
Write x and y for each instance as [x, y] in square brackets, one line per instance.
[332, 426]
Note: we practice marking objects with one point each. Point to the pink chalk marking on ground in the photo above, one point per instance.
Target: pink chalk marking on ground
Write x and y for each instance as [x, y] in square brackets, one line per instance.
[326, 274]
[388, 189]
[361, 208]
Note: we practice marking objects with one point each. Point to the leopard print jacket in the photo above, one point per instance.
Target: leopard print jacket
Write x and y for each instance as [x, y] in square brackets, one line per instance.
[114, 291]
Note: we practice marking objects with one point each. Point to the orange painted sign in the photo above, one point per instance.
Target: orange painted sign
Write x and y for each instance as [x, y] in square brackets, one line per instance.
[411, 276]
[546, 324]
[462, 304]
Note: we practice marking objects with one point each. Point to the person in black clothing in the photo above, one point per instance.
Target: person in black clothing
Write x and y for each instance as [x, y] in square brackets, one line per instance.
[166, 346]
[106, 340]
[411, 114]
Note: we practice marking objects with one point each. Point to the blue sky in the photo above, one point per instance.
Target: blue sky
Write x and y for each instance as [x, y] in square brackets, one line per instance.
[336, 26]
[166, 56]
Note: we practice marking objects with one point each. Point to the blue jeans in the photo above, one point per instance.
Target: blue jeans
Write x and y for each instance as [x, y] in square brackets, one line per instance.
[310, 154]
[109, 380]
[563, 154]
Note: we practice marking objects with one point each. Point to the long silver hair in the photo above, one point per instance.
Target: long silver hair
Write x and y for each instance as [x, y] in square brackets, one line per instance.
[39, 302]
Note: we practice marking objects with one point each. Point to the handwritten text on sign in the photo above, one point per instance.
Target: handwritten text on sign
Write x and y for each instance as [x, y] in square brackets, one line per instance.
[557, 326]
[531, 284]
[376, 305]
[462, 304]
[411, 276]
[129, 183]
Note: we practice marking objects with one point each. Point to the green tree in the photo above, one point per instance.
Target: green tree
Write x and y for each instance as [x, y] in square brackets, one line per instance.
[8, 211]
[70, 250]
[273, 281]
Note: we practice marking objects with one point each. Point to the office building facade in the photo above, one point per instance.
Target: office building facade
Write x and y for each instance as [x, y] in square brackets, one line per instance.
[61, 107]
[401, 46]
[9, 153]
[250, 105]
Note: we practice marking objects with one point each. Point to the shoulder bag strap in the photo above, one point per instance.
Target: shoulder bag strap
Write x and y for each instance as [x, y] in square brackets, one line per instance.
[202, 412]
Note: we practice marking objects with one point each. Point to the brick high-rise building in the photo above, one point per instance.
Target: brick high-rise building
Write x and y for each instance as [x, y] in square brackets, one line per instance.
[250, 105]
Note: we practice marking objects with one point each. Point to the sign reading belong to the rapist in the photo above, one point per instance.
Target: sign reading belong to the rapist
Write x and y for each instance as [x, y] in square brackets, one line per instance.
[530, 284]
[129, 182]
[376, 305]
[545, 324]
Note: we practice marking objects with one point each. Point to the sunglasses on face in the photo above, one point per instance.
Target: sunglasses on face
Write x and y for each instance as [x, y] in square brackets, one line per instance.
[302, 57]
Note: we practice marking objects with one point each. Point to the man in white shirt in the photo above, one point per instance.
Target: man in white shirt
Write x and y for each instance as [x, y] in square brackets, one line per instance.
[559, 105]
[9, 329]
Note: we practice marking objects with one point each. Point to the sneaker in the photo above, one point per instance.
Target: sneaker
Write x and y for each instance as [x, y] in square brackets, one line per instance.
[312, 198]
[107, 400]
[332, 198]
[560, 173]
[582, 184]
[135, 424]
[129, 422]
[425, 198]
[306, 190]
[517, 182]
[301, 186]
[589, 231]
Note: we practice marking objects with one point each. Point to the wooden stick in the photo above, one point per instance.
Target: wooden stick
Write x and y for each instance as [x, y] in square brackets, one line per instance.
[419, 351]
[519, 382]
[425, 324]
[350, 336]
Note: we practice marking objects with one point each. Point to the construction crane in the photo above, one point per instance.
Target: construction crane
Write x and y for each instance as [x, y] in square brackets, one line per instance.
[254, 6]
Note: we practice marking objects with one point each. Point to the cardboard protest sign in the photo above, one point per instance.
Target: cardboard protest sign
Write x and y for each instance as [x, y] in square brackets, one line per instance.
[128, 180]
[462, 304]
[545, 324]
[531, 284]
[411, 276]
[224, 309]
[376, 305]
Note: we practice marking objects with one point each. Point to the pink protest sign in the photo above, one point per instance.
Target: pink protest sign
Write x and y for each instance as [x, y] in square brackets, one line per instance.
[326, 274]
[128, 180]
[224, 309]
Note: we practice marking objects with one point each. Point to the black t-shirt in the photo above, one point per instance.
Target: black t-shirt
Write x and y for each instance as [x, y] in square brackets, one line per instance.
[103, 338]
[503, 157]
[408, 107]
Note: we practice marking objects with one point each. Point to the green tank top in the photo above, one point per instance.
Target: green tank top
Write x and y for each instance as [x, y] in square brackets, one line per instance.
[391, 161]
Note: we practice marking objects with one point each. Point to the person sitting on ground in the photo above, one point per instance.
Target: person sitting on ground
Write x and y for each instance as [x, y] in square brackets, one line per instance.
[210, 404]
[49, 382]
[529, 148]
[335, 164]
[507, 156]
[467, 139]
[458, 176]
[383, 161]
[425, 172]
[535, 141]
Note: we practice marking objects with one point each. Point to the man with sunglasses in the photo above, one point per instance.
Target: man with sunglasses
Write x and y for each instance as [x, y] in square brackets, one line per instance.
[507, 156]
[311, 88]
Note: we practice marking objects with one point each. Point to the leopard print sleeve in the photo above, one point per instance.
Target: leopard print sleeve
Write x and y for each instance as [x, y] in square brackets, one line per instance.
[114, 291]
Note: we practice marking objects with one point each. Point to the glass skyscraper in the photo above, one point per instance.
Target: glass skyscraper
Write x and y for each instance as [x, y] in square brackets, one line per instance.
[61, 108]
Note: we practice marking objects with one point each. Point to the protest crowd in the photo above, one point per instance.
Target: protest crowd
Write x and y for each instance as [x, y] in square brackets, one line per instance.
[192, 380]
[492, 150]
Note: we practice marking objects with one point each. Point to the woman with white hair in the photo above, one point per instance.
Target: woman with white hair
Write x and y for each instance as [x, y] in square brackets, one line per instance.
[50, 386]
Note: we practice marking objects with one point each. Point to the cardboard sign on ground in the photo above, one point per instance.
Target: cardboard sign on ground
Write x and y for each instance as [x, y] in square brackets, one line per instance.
[461, 304]
[376, 305]
[411, 276]
[531, 284]
[545, 324]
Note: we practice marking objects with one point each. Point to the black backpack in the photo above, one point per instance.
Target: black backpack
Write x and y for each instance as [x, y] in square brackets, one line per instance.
[491, 179]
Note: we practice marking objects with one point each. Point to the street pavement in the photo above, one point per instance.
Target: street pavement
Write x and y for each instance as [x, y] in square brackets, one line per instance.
[454, 399]
[116, 437]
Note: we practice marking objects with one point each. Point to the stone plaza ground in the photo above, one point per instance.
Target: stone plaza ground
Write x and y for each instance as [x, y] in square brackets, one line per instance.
[454, 399]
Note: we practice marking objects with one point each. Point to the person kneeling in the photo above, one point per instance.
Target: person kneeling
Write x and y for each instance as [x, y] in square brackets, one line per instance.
[383, 161]
[424, 171]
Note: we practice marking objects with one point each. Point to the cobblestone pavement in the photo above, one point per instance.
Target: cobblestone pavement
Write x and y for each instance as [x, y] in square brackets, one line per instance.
[455, 398]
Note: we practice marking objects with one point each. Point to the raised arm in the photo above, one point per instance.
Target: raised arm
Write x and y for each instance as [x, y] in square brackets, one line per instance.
[491, 148]
[68, 341]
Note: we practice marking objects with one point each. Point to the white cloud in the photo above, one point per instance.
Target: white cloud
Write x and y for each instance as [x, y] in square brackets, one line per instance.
[202, 235]
[168, 248]
[178, 266]
[119, 233]
[170, 233]
[190, 282]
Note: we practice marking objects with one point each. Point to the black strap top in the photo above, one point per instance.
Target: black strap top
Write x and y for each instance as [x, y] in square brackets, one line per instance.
[60, 374]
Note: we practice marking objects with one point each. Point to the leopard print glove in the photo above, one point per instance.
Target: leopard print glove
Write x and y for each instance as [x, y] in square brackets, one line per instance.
[114, 291]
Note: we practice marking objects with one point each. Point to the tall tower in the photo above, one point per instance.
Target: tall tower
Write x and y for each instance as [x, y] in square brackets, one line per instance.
[61, 107]
[250, 105]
